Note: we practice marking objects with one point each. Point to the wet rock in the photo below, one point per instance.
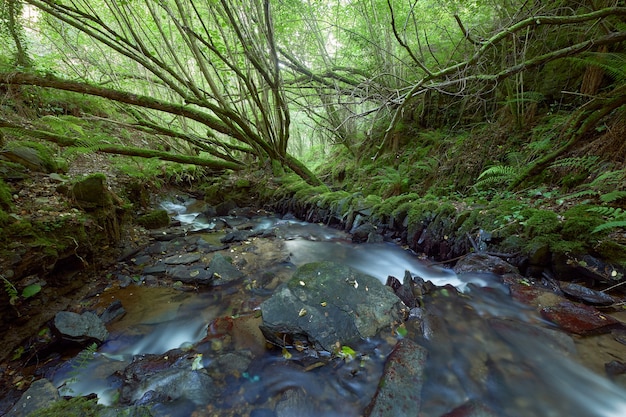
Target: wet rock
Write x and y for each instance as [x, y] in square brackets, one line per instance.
[80, 327]
[482, 262]
[184, 259]
[471, 409]
[362, 233]
[175, 384]
[114, 311]
[190, 274]
[327, 302]
[40, 394]
[400, 386]
[223, 271]
[580, 319]
[224, 208]
[294, 402]
[404, 291]
[236, 236]
[157, 268]
[587, 295]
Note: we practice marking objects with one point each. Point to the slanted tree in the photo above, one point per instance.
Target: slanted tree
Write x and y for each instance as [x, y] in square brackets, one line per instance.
[213, 63]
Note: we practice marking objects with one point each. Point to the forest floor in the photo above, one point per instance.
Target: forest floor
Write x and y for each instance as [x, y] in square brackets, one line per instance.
[37, 199]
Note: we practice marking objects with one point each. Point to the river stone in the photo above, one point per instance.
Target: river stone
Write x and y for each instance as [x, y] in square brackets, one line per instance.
[585, 294]
[580, 319]
[184, 259]
[399, 390]
[327, 302]
[223, 271]
[40, 394]
[173, 384]
[190, 274]
[80, 327]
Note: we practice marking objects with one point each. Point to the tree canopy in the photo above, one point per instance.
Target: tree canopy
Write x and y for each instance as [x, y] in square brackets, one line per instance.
[228, 78]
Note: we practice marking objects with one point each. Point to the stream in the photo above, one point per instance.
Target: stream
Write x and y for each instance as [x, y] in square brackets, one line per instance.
[483, 347]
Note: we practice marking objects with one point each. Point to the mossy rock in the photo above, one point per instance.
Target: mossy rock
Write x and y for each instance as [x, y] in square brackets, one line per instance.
[611, 251]
[33, 155]
[155, 219]
[541, 223]
[92, 192]
[579, 223]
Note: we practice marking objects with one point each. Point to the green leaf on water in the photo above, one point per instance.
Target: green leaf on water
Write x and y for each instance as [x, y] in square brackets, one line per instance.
[31, 290]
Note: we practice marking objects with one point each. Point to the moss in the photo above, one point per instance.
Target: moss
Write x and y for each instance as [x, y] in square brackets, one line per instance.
[242, 183]
[579, 223]
[611, 251]
[154, 220]
[92, 191]
[6, 199]
[541, 223]
[74, 407]
[43, 151]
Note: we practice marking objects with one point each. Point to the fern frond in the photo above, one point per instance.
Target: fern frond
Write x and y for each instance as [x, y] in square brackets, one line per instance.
[610, 225]
[611, 212]
[613, 196]
[497, 175]
[608, 179]
[498, 171]
[583, 193]
[580, 162]
[613, 63]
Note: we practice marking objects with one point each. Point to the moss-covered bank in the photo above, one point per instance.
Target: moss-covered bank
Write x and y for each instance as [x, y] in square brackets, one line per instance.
[524, 232]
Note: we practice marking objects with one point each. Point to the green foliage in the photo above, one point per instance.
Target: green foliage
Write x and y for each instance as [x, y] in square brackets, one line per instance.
[616, 218]
[586, 163]
[5, 196]
[10, 290]
[31, 290]
[73, 407]
[613, 63]
[498, 175]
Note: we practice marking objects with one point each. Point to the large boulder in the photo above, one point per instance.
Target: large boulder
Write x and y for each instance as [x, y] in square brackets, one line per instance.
[325, 303]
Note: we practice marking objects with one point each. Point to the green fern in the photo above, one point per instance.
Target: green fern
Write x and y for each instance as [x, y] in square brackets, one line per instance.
[579, 194]
[608, 180]
[616, 217]
[10, 290]
[613, 196]
[497, 175]
[586, 163]
[610, 225]
[612, 212]
[613, 63]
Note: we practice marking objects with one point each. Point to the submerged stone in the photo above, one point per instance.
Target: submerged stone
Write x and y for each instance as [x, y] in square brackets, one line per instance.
[399, 390]
[327, 302]
[580, 319]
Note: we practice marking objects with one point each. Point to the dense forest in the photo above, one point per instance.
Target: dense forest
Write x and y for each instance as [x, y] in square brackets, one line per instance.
[447, 126]
[516, 107]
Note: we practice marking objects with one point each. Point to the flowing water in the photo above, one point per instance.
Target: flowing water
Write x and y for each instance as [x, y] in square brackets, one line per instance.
[483, 347]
